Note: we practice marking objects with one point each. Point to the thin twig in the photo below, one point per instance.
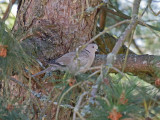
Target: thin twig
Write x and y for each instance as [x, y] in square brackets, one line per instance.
[129, 29]
[125, 34]
[137, 47]
[149, 4]
[19, 83]
[105, 99]
[96, 72]
[122, 15]
[118, 71]
[76, 109]
[96, 86]
[80, 116]
[94, 68]
[105, 30]
[64, 105]
[149, 28]
[127, 52]
[58, 107]
[48, 105]
[8, 10]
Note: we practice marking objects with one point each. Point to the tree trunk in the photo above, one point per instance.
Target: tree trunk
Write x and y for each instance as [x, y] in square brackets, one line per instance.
[52, 28]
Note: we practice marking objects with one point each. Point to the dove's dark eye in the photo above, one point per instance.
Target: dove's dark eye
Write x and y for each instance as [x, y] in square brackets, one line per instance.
[92, 46]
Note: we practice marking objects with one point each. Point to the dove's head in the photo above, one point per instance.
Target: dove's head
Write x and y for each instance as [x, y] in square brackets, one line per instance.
[92, 48]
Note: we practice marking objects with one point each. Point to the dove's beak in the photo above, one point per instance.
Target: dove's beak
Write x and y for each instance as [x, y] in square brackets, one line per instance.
[97, 51]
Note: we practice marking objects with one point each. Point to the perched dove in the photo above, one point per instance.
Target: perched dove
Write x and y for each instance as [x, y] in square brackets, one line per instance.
[81, 62]
[74, 62]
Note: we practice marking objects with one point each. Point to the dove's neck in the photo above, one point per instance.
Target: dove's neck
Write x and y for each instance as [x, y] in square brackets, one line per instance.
[87, 50]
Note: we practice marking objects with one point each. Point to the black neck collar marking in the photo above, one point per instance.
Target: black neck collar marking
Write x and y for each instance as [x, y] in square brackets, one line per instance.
[87, 50]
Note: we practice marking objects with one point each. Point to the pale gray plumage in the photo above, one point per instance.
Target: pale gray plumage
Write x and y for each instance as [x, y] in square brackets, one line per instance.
[78, 63]
[73, 62]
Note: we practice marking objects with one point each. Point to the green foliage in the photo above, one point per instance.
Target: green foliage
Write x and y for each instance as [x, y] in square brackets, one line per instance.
[11, 111]
[134, 94]
[139, 98]
[132, 97]
[16, 60]
[112, 94]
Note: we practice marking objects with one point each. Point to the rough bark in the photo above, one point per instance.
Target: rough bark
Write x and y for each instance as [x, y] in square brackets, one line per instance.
[145, 66]
[55, 26]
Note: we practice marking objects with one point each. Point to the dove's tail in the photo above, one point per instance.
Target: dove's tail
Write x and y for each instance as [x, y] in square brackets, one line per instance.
[53, 67]
[41, 72]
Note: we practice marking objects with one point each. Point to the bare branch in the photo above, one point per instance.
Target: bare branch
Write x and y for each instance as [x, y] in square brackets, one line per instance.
[78, 105]
[154, 13]
[137, 47]
[105, 30]
[6, 14]
[19, 83]
[129, 28]
[140, 65]
[58, 107]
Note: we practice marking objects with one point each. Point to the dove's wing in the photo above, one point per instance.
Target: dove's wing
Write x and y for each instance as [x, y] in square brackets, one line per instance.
[69, 58]
[66, 59]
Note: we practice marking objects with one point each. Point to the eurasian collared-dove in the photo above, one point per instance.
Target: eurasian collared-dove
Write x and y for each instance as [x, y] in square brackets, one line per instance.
[74, 62]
